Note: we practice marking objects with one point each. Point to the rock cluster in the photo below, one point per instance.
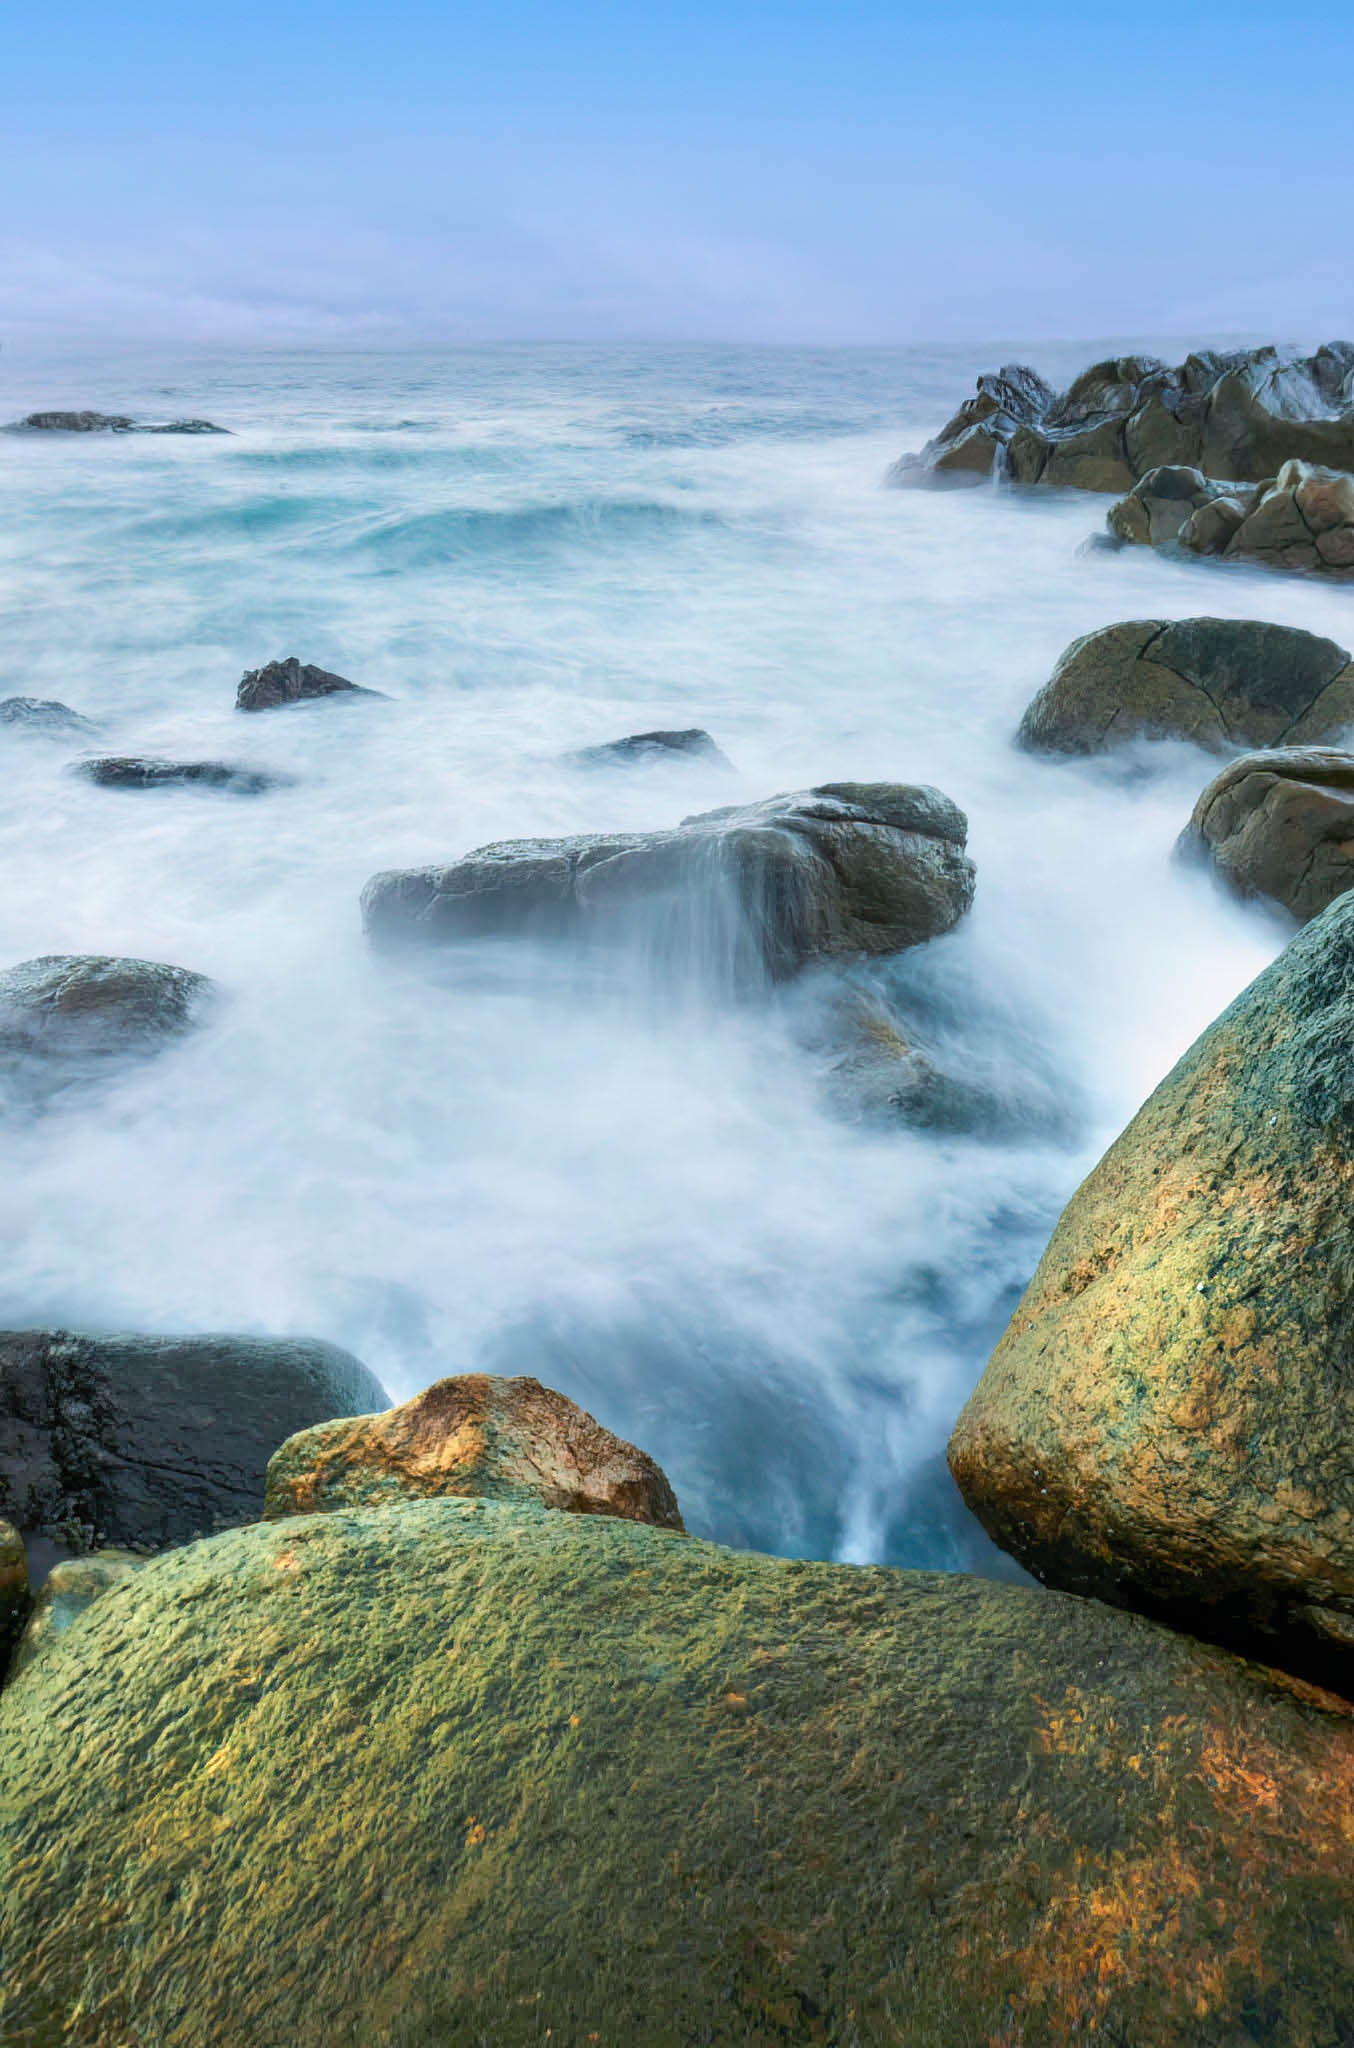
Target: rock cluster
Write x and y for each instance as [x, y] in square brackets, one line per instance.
[1301, 520]
[1279, 824]
[1238, 415]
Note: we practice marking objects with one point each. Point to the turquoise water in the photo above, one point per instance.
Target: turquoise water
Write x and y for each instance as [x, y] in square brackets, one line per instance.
[636, 1191]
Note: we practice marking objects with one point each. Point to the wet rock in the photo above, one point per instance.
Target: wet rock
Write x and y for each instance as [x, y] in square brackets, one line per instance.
[751, 891]
[292, 682]
[464, 1772]
[503, 1439]
[141, 1441]
[134, 772]
[109, 423]
[647, 747]
[69, 1590]
[42, 716]
[1301, 521]
[876, 1072]
[1237, 416]
[65, 1018]
[1219, 682]
[15, 1601]
[1280, 825]
[1166, 1422]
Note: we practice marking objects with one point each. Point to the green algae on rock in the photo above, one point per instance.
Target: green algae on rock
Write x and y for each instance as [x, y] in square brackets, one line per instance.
[1168, 1419]
[455, 1774]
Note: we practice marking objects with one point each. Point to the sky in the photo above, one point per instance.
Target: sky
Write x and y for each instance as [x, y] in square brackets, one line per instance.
[722, 170]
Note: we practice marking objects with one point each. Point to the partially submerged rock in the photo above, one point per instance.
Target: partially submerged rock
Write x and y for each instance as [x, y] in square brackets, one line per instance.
[43, 716]
[68, 1591]
[1238, 415]
[292, 682]
[1219, 682]
[71, 1017]
[15, 1600]
[109, 423]
[473, 1434]
[641, 748]
[136, 772]
[1280, 825]
[1167, 1421]
[140, 1441]
[461, 1772]
[1302, 520]
[844, 870]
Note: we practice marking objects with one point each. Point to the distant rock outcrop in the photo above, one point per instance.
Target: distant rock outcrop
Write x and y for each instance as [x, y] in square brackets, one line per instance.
[641, 747]
[43, 717]
[109, 423]
[1238, 415]
[1219, 682]
[1302, 520]
[136, 772]
[66, 1017]
[292, 682]
[844, 870]
[1280, 825]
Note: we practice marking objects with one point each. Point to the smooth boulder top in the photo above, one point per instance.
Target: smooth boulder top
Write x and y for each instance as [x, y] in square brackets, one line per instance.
[43, 716]
[140, 1440]
[1279, 824]
[1168, 1420]
[754, 890]
[291, 681]
[1300, 521]
[647, 747]
[109, 423]
[77, 1007]
[472, 1434]
[1240, 415]
[137, 772]
[452, 1773]
[1221, 683]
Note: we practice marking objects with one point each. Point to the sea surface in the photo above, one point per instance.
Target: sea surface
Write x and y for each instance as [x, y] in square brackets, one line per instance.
[639, 1189]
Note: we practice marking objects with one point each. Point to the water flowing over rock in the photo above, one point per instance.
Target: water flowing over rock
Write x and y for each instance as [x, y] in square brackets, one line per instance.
[1301, 521]
[43, 717]
[462, 1772]
[1280, 825]
[132, 1440]
[1167, 1421]
[502, 1439]
[67, 1018]
[68, 1591]
[292, 682]
[136, 772]
[109, 423]
[1220, 682]
[1240, 415]
[645, 748]
[741, 894]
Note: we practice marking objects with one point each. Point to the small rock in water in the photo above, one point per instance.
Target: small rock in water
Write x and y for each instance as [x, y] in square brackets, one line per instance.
[134, 772]
[505, 1439]
[292, 682]
[43, 716]
[65, 1014]
[109, 423]
[693, 744]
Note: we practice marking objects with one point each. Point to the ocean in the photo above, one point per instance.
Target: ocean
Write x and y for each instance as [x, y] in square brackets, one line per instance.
[639, 1190]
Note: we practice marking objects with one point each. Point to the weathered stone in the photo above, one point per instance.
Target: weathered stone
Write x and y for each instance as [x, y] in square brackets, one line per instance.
[292, 682]
[453, 1773]
[110, 423]
[1163, 503]
[972, 445]
[502, 1439]
[647, 747]
[1088, 458]
[69, 1589]
[42, 716]
[1167, 1421]
[1219, 682]
[1280, 825]
[68, 1018]
[136, 772]
[15, 1600]
[844, 870]
[142, 1441]
[1300, 521]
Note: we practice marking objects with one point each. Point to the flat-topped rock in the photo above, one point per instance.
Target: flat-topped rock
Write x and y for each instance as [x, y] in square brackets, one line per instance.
[291, 681]
[1220, 682]
[1279, 824]
[641, 748]
[1300, 521]
[750, 891]
[125, 771]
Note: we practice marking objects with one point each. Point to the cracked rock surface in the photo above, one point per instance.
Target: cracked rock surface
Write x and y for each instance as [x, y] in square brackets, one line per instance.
[1279, 824]
[1222, 683]
[1301, 520]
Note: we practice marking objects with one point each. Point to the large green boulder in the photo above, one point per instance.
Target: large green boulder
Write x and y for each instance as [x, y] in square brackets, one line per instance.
[465, 1774]
[1168, 1421]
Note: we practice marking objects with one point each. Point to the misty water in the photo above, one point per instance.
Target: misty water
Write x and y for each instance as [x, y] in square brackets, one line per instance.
[624, 1181]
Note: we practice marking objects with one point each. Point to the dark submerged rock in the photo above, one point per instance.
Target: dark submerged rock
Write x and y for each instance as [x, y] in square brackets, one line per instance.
[109, 423]
[43, 717]
[144, 1441]
[292, 682]
[134, 772]
[1280, 825]
[647, 747]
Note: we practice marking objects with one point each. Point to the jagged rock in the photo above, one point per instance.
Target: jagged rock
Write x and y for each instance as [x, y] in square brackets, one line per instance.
[1280, 824]
[110, 423]
[130, 772]
[15, 1600]
[70, 1017]
[1219, 682]
[141, 1441]
[1236, 416]
[643, 747]
[1167, 1421]
[292, 682]
[839, 871]
[461, 1772]
[69, 1589]
[503, 1439]
[1302, 520]
[43, 716]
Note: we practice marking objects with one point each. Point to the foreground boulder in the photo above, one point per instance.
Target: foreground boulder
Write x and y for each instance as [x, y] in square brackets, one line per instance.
[135, 772]
[641, 748]
[14, 1595]
[502, 1439]
[42, 716]
[70, 1588]
[142, 1441]
[1167, 1421]
[459, 1772]
[1238, 415]
[843, 870]
[1301, 521]
[66, 1018]
[292, 682]
[1219, 682]
[1280, 825]
[109, 423]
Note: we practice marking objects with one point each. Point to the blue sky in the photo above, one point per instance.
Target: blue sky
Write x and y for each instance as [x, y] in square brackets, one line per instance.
[792, 172]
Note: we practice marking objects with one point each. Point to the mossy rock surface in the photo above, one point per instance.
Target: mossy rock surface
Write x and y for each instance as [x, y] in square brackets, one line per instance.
[1168, 1420]
[455, 1772]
